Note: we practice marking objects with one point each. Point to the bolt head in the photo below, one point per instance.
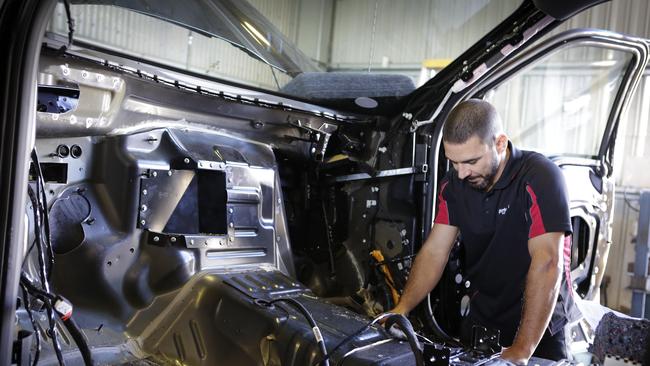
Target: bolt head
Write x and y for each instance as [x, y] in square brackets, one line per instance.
[142, 222]
[172, 239]
[143, 208]
[186, 160]
[144, 192]
[154, 174]
[156, 239]
[169, 173]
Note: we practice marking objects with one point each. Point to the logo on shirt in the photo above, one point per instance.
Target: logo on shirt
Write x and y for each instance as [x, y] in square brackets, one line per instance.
[502, 211]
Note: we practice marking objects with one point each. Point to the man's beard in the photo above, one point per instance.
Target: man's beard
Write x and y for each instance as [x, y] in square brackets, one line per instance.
[482, 182]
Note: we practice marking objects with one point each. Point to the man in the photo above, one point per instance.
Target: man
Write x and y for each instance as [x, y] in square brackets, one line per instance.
[511, 209]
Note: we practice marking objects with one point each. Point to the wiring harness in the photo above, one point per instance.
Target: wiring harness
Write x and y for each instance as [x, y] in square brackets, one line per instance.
[55, 305]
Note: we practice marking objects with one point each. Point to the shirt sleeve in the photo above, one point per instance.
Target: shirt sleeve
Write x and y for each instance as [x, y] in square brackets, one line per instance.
[442, 215]
[548, 202]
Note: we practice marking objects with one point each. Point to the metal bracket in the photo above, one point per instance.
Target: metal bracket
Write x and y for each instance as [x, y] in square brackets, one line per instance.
[320, 133]
[436, 356]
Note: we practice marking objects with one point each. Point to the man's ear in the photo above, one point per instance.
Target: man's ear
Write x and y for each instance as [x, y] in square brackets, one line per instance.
[501, 143]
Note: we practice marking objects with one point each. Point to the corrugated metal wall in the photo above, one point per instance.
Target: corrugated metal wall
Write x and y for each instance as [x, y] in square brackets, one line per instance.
[145, 36]
[407, 32]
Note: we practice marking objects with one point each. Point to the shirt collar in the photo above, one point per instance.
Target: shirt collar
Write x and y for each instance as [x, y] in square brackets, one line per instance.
[513, 165]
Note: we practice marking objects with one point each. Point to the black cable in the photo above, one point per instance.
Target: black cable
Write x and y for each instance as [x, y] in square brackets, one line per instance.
[40, 187]
[80, 339]
[65, 313]
[33, 289]
[51, 302]
[352, 336]
[66, 4]
[405, 326]
[27, 305]
[395, 260]
[310, 319]
[43, 273]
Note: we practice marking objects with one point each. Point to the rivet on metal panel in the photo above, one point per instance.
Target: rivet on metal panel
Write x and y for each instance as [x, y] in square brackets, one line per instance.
[144, 192]
[154, 174]
[143, 208]
[205, 243]
[84, 74]
[169, 173]
[156, 239]
[277, 238]
[467, 284]
[231, 210]
[363, 241]
[231, 239]
[191, 241]
[232, 224]
[142, 222]
[186, 160]
[172, 239]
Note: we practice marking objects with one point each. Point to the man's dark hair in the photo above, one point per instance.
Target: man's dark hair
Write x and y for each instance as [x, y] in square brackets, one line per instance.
[473, 117]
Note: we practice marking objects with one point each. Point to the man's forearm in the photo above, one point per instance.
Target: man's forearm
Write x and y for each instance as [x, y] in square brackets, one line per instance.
[424, 276]
[428, 267]
[540, 296]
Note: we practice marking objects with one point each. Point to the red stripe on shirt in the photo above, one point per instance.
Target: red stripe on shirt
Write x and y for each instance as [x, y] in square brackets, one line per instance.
[443, 210]
[537, 224]
[567, 263]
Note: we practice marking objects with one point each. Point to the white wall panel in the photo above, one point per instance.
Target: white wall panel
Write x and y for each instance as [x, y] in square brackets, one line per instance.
[407, 32]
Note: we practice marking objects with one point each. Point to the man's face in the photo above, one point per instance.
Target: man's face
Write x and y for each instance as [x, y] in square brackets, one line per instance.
[475, 161]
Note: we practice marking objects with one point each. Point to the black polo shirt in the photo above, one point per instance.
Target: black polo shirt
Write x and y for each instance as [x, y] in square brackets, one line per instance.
[529, 199]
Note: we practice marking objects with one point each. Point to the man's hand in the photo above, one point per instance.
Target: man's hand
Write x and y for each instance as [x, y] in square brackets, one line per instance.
[514, 355]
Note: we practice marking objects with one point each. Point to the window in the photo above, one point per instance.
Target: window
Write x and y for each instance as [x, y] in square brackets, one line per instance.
[560, 105]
